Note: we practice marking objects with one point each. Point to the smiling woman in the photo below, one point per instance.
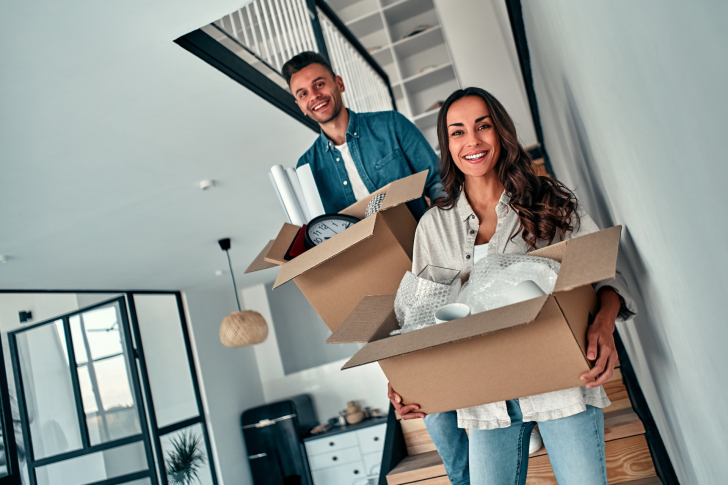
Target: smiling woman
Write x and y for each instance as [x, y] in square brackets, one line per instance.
[476, 135]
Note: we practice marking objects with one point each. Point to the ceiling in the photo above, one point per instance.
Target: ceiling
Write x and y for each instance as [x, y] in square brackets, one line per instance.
[106, 129]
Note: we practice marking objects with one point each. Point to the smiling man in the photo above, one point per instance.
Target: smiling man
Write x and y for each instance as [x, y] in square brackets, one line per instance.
[357, 153]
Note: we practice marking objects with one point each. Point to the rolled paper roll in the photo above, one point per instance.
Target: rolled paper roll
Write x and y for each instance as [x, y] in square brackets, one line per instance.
[310, 191]
[278, 193]
[296, 185]
[290, 204]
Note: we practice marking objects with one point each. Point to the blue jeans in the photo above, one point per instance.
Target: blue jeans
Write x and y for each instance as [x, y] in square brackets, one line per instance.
[575, 446]
[452, 444]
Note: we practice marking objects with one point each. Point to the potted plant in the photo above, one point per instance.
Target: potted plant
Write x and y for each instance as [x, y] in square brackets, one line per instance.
[183, 462]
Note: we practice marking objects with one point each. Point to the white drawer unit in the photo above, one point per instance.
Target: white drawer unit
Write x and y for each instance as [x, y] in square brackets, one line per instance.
[331, 443]
[372, 462]
[349, 458]
[334, 458]
[349, 474]
[371, 439]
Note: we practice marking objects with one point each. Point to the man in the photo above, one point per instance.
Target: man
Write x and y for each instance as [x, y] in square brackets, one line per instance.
[355, 155]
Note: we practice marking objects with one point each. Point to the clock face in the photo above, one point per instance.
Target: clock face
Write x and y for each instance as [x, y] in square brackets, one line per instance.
[324, 227]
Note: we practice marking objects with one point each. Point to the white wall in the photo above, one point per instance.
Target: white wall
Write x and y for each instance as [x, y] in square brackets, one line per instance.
[301, 333]
[229, 377]
[633, 105]
[330, 387]
[481, 44]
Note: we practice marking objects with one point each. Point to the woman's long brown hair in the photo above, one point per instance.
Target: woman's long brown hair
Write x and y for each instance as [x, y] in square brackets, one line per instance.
[544, 205]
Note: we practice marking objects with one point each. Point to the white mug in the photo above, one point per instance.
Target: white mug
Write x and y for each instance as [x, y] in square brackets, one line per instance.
[451, 311]
[525, 290]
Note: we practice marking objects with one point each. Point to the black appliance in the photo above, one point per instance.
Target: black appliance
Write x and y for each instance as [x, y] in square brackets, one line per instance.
[274, 435]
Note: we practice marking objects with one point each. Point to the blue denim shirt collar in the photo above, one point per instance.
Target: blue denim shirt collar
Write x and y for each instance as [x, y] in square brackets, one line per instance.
[351, 131]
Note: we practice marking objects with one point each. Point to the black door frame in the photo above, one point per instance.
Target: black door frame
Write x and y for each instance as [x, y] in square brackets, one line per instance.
[158, 432]
[135, 345]
[8, 429]
[86, 448]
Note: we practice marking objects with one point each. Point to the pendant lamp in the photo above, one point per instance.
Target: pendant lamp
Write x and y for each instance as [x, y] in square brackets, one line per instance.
[241, 328]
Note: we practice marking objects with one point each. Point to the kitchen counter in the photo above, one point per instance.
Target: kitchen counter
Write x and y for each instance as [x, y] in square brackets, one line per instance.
[348, 427]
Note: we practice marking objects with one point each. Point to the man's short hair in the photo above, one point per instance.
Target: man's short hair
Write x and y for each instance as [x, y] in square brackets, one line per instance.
[301, 61]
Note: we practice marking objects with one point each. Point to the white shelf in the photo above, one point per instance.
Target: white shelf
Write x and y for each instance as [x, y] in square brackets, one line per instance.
[349, 10]
[419, 42]
[432, 77]
[383, 56]
[383, 22]
[427, 114]
[406, 9]
[366, 24]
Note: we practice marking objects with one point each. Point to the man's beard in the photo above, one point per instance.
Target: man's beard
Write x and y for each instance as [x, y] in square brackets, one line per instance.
[338, 105]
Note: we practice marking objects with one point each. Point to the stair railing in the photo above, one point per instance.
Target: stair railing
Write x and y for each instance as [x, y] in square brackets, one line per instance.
[273, 31]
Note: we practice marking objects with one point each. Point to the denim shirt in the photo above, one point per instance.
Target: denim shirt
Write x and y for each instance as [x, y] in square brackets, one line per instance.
[446, 238]
[385, 147]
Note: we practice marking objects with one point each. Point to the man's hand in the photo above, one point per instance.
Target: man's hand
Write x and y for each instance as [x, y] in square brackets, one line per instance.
[405, 412]
[600, 339]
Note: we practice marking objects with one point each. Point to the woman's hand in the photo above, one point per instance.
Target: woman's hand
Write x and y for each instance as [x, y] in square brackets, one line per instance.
[405, 412]
[600, 339]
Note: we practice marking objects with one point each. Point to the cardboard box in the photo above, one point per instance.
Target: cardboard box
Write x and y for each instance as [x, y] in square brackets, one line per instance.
[529, 348]
[368, 258]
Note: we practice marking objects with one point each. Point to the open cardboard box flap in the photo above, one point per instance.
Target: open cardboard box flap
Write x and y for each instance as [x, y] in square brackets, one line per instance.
[588, 259]
[444, 333]
[405, 190]
[372, 319]
[326, 250]
[398, 192]
[259, 263]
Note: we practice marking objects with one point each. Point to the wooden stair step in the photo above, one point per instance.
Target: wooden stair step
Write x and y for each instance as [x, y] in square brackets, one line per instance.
[417, 467]
[628, 459]
[643, 481]
[628, 462]
[618, 425]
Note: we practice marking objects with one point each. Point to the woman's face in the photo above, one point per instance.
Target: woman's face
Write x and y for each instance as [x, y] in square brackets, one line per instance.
[474, 143]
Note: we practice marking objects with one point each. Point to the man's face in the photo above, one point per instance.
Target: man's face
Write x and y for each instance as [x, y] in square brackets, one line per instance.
[318, 93]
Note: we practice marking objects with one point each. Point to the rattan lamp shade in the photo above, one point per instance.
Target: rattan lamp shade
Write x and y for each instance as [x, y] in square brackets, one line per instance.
[243, 328]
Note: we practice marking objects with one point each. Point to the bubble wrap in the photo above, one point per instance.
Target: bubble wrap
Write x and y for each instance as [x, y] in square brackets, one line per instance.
[494, 276]
[418, 298]
[374, 205]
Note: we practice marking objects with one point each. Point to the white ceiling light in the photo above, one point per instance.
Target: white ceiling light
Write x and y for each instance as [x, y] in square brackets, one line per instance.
[207, 184]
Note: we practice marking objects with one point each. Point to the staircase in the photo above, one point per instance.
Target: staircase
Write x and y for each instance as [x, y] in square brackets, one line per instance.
[628, 457]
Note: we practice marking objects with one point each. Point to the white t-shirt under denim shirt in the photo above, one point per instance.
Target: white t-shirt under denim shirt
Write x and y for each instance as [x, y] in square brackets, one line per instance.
[357, 184]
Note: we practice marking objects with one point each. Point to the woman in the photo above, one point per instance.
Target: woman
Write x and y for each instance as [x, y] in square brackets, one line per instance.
[496, 204]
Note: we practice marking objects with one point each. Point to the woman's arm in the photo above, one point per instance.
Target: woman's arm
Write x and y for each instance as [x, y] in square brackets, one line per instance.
[615, 303]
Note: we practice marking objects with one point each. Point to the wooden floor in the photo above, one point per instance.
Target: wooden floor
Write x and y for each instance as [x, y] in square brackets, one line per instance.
[628, 457]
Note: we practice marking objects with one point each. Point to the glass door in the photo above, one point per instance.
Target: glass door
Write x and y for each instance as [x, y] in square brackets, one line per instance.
[80, 400]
